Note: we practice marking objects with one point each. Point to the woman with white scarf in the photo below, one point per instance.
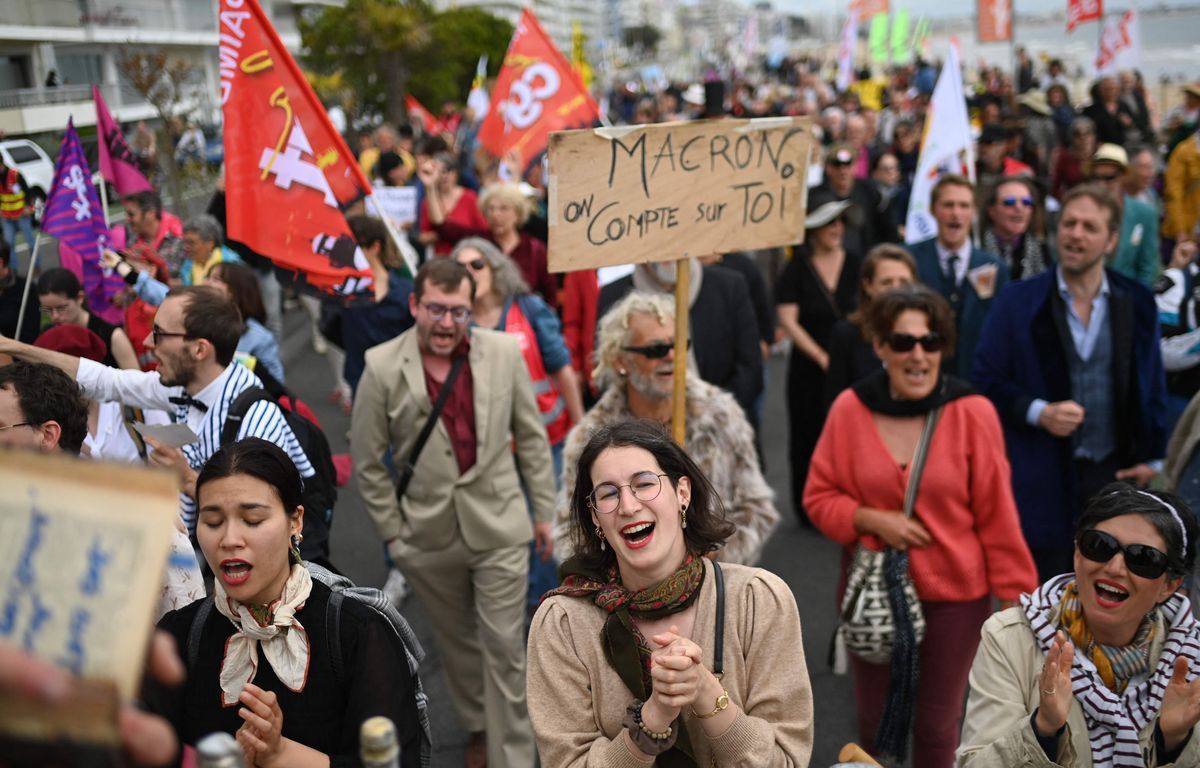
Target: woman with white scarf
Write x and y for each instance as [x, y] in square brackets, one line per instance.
[262, 666]
[1100, 667]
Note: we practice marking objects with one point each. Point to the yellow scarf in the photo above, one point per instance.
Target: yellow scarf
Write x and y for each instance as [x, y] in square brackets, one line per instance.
[1117, 665]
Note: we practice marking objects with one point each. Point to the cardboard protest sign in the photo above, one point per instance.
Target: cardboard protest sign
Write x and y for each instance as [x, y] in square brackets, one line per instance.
[666, 191]
[83, 547]
[397, 203]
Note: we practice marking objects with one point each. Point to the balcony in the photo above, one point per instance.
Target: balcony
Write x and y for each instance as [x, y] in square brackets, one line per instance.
[37, 110]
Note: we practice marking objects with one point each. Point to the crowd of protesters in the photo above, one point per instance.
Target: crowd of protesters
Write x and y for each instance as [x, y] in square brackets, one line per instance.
[1009, 403]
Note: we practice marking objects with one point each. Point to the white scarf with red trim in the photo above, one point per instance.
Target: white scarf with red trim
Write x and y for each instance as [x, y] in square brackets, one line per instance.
[283, 639]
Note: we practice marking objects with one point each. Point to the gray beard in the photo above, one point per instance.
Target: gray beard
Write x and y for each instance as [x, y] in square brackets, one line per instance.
[644, 385]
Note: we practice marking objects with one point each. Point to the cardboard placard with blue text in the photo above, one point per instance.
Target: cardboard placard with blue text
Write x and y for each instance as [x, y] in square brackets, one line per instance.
[666, 191]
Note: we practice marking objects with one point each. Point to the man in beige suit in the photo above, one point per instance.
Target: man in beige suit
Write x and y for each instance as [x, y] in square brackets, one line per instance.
[461, 533]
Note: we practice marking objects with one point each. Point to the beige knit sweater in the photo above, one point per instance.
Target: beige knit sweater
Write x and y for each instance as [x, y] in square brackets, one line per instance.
[577, 701]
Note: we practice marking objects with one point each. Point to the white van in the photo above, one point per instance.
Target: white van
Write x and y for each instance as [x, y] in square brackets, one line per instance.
[35, 165]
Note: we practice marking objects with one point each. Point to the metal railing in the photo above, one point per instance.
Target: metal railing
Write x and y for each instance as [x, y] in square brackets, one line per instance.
[115, 94]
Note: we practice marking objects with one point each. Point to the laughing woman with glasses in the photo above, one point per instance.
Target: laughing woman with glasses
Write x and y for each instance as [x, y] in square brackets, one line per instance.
[962, 543]
[650, 653]
[1099, 667]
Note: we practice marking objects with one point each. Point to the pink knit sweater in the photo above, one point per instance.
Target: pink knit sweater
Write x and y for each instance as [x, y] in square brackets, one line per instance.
[965, 500]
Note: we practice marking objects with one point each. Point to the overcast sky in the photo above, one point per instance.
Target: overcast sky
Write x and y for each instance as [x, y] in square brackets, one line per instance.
[944, 8]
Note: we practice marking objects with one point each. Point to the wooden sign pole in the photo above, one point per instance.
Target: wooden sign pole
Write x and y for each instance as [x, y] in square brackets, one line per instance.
[683, 273]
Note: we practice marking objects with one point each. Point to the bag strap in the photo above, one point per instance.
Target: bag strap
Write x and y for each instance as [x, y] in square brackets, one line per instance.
[719, 640]
[238, 410]
[407, 472]
[918, 462]
[197, 630]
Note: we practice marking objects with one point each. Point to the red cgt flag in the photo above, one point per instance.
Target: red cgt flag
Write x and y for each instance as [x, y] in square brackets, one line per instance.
[536, 92]
[1079, 11]
[288, 174]
[416, 111]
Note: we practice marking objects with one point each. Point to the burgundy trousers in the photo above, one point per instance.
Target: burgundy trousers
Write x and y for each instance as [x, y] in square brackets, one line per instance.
[951, 638]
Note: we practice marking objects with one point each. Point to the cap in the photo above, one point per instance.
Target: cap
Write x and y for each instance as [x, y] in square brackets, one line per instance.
[73, 340]
[840, 154]
[1111, 153]
[994, 133]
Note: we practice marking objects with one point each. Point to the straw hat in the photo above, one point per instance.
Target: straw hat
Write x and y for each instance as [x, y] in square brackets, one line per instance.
[823, 208]
[694, 95]
[1111, 153]
[1035, 101]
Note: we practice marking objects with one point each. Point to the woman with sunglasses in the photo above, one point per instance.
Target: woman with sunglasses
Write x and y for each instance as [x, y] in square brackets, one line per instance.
[1011, 223]
[1099, 667]
[504, 302]
[630, 662]
[818, 287]
[963, 540]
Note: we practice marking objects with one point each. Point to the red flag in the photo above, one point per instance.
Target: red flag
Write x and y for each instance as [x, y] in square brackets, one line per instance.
[117, 163]
[865, 10]
[1079, 11]
[288, 174]
[416, 111]
[995, 21]
[536, 92]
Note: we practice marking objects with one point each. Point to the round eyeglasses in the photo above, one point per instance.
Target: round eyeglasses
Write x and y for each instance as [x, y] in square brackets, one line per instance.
[606, 497]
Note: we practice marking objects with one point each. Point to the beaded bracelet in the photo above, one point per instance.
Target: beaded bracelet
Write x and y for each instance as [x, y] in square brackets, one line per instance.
[648, 741]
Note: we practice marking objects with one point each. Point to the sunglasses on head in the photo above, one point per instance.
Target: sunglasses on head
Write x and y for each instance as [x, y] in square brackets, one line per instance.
[657, 350]
[1011, 202]
[1141, 559]
[904, 342]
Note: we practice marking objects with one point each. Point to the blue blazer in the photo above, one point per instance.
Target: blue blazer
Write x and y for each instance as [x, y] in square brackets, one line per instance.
[971, 310]
[1022, 356]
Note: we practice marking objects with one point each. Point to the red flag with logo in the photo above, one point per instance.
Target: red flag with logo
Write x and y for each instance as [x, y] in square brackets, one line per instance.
[536, 92]
[865, 10]
[995, 21]
[288, 174]
[1079, 11]
[416, 111]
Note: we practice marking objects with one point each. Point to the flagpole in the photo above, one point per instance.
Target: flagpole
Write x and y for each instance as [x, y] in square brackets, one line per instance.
[405, 253]
[37, 241]
[103, 186]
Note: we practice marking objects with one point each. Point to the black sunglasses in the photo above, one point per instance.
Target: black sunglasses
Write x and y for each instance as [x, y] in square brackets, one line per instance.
[1104, 178]
[657, 350]
[1141, 559]
[476, 265]
[904, 342]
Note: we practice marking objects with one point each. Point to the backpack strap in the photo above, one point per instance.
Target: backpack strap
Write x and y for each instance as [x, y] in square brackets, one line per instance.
[237, 412]
[197, 630]
[333, 633]
[719, 640]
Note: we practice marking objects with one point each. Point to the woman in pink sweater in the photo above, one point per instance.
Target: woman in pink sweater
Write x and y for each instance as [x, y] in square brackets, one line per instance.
[964, 540]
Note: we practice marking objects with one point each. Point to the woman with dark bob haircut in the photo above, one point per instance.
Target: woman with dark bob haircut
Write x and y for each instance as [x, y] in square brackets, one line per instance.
[629, 659]
[1101, 666]
[960, 543]
[262, 666]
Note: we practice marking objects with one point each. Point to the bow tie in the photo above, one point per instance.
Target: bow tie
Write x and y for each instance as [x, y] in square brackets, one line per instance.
[188, 400]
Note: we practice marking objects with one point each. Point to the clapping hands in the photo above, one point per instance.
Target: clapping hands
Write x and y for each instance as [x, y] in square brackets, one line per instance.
[1181, 706]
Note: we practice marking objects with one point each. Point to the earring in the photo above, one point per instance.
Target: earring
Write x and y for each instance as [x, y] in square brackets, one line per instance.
[600, 535]
[622, 372]
[683, 516]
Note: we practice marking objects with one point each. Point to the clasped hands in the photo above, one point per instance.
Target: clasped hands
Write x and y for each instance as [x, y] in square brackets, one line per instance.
[679, 679]
[1180, 707]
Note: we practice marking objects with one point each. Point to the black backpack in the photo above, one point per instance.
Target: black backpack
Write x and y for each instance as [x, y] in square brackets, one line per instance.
[320, 490]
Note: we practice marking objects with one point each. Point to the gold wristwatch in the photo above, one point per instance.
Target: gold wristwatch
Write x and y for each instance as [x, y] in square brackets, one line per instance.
[722, 705]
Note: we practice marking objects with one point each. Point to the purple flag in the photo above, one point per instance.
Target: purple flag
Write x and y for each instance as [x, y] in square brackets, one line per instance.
[117, 163]
[74, 216]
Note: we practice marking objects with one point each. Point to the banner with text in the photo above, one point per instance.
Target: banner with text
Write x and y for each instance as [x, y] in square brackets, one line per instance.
[666, 191]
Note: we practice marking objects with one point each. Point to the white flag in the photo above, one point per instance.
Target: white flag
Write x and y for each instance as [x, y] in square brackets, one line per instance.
[1120, 44]
[845, 74]
[946, 148]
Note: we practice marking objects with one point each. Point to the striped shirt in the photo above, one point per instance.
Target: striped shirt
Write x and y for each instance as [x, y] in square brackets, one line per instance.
[145, 390]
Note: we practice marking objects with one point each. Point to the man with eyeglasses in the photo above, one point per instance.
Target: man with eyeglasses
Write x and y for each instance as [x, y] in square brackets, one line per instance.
[1136, 254]
[41, 409]
[1011, 205]
[1071, 360]
[196, 331]
[460, 530]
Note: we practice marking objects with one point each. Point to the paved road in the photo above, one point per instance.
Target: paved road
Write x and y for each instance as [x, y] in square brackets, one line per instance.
[804, 559]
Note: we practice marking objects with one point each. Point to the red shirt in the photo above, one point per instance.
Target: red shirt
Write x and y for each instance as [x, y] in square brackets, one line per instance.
[965, 499]
[458, 414]
[465, 215]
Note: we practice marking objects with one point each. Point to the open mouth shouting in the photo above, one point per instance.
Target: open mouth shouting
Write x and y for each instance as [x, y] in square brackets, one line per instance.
[638, 535]
[235, 572]
[1110, 594]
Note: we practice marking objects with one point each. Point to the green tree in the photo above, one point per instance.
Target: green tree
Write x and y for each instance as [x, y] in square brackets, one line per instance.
[644, 38]
[379, 50]
[373, 45]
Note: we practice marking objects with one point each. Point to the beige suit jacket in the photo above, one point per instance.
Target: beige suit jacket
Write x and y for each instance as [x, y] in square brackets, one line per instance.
[486, 504]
